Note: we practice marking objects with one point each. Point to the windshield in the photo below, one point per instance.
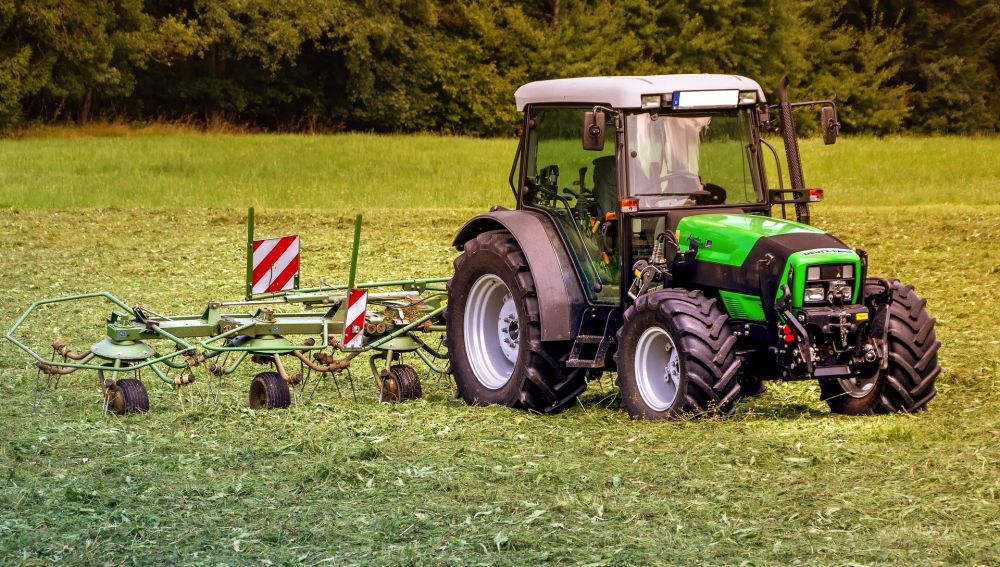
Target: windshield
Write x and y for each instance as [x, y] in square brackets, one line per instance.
[678, 161]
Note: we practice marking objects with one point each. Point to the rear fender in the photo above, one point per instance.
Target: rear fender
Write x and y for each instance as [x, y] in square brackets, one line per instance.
[561, 299]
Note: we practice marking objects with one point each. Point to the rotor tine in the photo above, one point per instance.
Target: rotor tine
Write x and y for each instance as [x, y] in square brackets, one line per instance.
[39, 391]
[350, 379]
[336, 383]
[319, 378]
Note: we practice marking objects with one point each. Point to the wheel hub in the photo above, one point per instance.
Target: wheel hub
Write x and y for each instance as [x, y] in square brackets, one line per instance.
[492, 331]
[508, 329]
[858, 386]
[657, 368]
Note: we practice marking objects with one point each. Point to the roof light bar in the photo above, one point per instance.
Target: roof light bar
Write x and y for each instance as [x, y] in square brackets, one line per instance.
[705, 99]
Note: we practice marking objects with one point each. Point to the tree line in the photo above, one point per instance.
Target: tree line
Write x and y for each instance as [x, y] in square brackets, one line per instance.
[452, 66]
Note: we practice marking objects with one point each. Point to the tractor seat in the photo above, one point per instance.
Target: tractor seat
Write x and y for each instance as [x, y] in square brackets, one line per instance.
[605, 185]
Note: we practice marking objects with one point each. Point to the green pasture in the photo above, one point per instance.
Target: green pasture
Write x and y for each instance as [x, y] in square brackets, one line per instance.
[158, 220]
[362, 171]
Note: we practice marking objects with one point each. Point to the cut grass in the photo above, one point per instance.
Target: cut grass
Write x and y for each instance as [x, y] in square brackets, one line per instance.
[434, 481]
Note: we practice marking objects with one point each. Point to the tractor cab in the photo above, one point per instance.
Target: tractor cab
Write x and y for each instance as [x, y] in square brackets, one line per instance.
[685, 144]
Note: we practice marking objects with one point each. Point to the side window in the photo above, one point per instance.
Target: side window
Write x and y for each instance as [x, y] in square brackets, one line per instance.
[579, 188]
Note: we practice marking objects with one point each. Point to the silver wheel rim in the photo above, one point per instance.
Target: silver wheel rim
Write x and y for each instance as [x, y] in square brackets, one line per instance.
[657, 369]
[491, 332]
[856, 386]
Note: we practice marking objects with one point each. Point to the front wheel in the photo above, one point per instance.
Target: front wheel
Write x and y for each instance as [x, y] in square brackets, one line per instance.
[907, 385]
[676, 356]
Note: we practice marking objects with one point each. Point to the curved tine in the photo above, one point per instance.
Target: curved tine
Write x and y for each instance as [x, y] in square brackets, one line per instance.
[350, 379]
[336, 383]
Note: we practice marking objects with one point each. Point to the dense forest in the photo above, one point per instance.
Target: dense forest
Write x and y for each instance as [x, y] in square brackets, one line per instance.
[452, 66]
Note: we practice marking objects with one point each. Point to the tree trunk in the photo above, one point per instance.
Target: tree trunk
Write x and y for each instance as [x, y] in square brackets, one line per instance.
[86, 106]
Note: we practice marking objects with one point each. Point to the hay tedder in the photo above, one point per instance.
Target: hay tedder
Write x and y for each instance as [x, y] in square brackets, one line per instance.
[334, 323]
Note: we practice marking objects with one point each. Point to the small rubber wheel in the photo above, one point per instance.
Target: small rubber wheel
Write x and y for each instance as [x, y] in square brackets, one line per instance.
[269, 391]
[400, 383]
[126, 396]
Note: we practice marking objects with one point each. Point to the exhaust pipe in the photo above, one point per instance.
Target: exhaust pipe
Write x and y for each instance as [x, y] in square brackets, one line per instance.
[792, 152]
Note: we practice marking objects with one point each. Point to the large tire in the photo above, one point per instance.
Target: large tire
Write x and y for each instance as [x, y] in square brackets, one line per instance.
[676, 355]
[908, 383]
[268, 390]
[127, 396]
[494, 333]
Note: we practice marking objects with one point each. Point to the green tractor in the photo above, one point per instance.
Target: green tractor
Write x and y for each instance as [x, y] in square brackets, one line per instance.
[646, 242]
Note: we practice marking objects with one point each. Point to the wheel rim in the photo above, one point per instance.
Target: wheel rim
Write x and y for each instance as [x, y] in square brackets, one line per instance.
[258, 394]
[657, 368]
[857, 386]
[492, 332]
[115, 400]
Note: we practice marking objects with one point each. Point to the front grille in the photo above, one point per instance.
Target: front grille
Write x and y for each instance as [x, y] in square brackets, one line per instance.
[829, 273]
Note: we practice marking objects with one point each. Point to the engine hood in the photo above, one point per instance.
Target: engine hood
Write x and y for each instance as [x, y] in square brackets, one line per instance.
[727, 238]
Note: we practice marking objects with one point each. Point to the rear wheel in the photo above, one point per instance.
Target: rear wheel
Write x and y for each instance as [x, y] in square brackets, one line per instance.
[497, 355]
[907, 385]
[676, 355]
[268, 390]
[127, 396]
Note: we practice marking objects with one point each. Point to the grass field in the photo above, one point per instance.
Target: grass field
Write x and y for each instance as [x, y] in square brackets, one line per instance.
[334, 481]
[364, 171]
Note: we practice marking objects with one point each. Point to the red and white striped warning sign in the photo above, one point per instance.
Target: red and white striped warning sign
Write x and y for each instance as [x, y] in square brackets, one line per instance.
[354, 323]
[275, 264]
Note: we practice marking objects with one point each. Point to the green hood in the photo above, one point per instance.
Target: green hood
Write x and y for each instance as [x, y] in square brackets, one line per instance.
[728, 238]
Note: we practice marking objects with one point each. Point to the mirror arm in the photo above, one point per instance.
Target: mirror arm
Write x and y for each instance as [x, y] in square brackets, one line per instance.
[807, 103]
[513, 167]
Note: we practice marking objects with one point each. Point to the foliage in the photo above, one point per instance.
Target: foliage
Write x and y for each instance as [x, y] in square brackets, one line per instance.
[451, 66]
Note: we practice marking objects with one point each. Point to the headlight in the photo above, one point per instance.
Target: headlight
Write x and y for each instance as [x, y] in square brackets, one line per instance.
[813, 273]
[813, 294]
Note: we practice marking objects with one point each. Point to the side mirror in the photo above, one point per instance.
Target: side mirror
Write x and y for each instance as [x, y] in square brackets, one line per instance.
[828, 124]
[593, 131]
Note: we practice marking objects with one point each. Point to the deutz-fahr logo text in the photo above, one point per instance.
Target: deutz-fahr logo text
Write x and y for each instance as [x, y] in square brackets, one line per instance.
[827, 251]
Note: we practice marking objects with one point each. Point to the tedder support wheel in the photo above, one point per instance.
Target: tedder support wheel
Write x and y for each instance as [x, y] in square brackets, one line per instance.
[676, 355]
[908, 382]
[400, 383]
[126, 396]
[268, 390]
[497, 354]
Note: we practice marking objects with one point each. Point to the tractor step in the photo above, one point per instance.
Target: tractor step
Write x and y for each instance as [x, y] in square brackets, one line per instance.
[832, 371]
[581, 357]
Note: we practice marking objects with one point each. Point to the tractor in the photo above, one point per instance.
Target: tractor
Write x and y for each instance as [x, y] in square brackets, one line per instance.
[649, 240]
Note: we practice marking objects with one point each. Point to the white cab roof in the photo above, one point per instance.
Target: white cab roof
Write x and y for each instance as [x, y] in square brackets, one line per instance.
[626, 92]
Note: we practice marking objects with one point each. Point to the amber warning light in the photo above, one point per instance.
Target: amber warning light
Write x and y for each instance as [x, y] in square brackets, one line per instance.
[630, 205]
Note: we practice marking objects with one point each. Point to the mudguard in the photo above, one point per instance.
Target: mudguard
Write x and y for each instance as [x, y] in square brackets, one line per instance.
[561, 299]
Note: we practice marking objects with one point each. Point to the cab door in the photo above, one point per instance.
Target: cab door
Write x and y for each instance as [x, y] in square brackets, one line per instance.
[578, 189]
